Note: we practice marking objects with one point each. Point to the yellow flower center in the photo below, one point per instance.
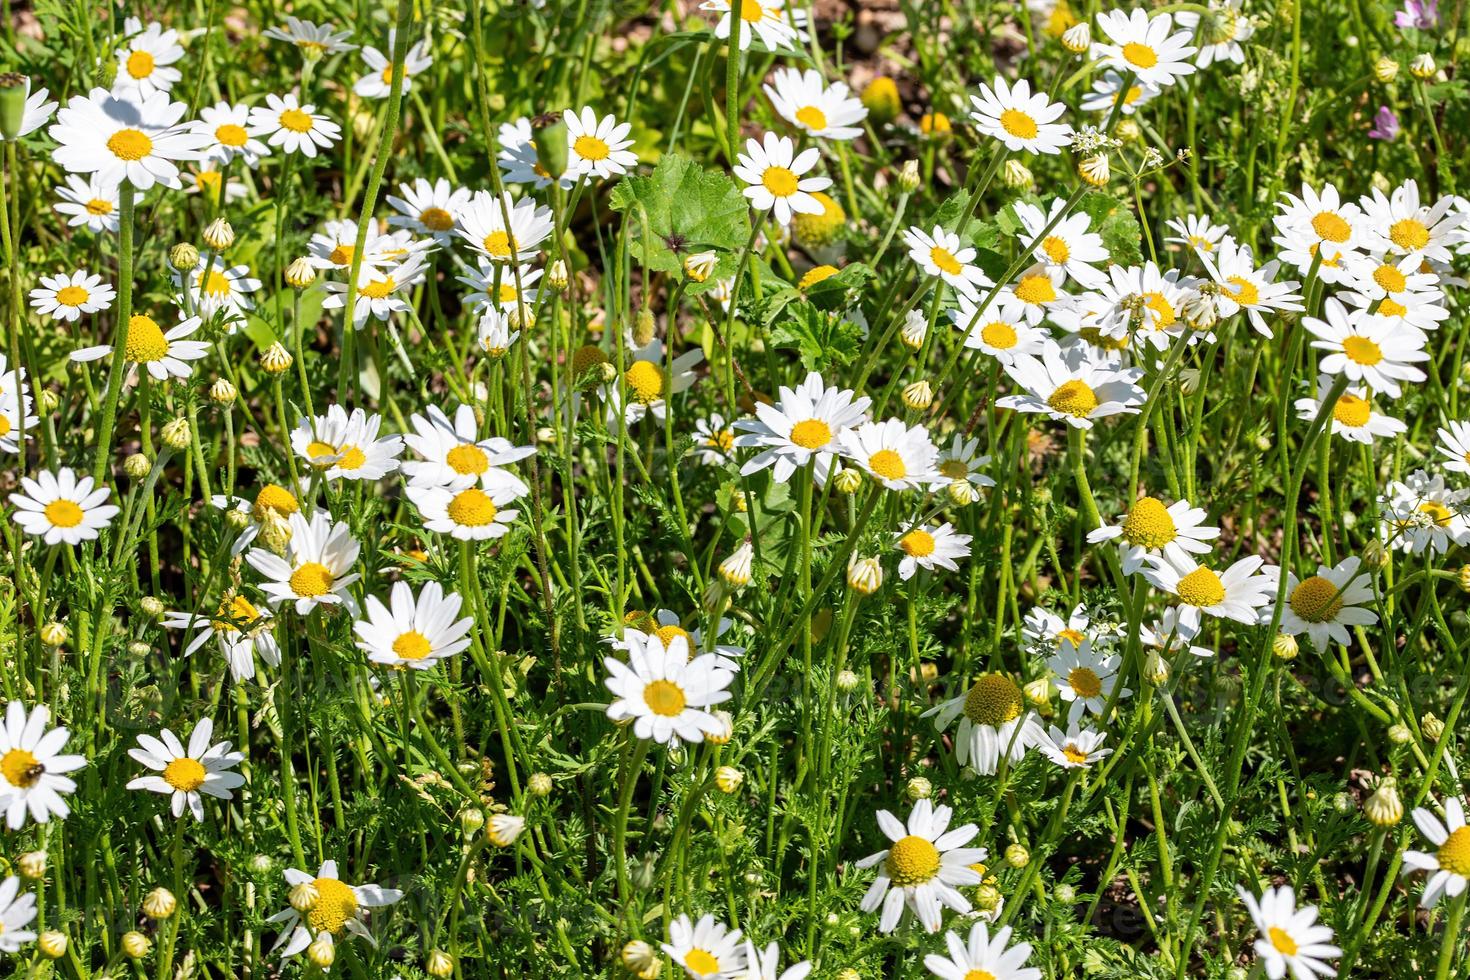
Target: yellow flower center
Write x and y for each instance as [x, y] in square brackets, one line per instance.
[664, 698]
[811, 434]
[210, 180]
[1438, 512]
[1133, 94]
[1163, 310]
[1408, 234]
[146, 342]
[954, 469]
[98, 207]
[507, 294]
[21, 768]
[724, 440]
[140, 64]
[1069, 635]
[888, 464]
[184, 775]
[387, 74]
[273, 498]
[1056, 249]
[1316, 599]
[912, 861]
[1035, 289]
[811, 117]
[1074, 755]
[667, 634]
[412, 645]
[1201, 588]
[216, 284]
[231, 135]
[1246, 293]
[591, 148]
[342, 254]
[1085, 682]
[1454, 853]
[71, 296]
[1148, 524]
[232, 613]
[335, 904]
[999, 335]
[1330, 226]
[1361, 350]
[129, 144]
[818, 274]
[646, 380]
[436, 219]
[1390, 278]
[296, 121]
[1140, 55]
[467, 460]
[1018, 124]
[1352, 411]
[1282, 941]
[472, 508]
[499, 244]
[1389, 308]
[4, 426]
[1075, 398]
[379, 288]
[702, 963]
[918, 543]
[944, 259]
[993, 700]
[311, 579]
[751, 12]
[779, 181]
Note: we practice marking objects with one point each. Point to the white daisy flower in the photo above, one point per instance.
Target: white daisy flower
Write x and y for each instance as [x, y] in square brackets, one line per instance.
[1074, 748]
[1195, 232]
[941, 253]
[322, 39]
[468, 514]
[62, 507]
[994, 724]
[645, 382]
[1449, 865]
[88, 201]
[1291, 938]
[493, 333]
[455, 456]
[1000, 330]
[1148, 47]
[68, 295]
[482, 223]
[337, 909]
[228, 128]
[1069, 246]
[665, 625]
[294, 127]
[1046, 633]
[714, 440]
[429, 209]
[1245, 287]
[519, 160]
[240, 628]
[413, 631]
[707, 950]
[930, 547]
[346, 447]
[207, 179]
[805, 423]
[317, 567]
[897, 456]
[804, 99]
[1169, 635]
[1317, 230]
[144, 63]
[1238, 593]
[162, 354]
[985, 957]
[1454, 446]
[1150, 529]
[12, 404]
[511, 288]
[272, 503]
[1018, 118]
[185, 773]
[1037, 291]
[378, 82]
[1422, 311]
[1218, 32]
[1353, 416]
[1086, 678]
[16, 912]
[336, 245]
[1366, 348]
[962, 460]
[923, 868]
[38, 110]
[1326, 605]
[597, 148]
[1400, 225]
[219, 289]
[775, 175]
[777, 27]
[32, 767]
[122, 139]
[1108, 89]
[381, 291]
[1072, 386]
[1422, 515]
[665, 693]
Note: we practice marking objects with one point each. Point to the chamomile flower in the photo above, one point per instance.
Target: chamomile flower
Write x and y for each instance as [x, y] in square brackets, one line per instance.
[1422, 311]
[1353, 415]
[413, 631]
[89, 202]
[993, 723]
[378, 82]
[429, 209]
[930, 547]
[518, 158]
[923, 867]
[455, 456]
[1018, 118]
[62, 507]
[294, 127]
[38, 110]
[1421, 515]
[1454, 446]
[1037, 290]
[1317, 229]
[1169, 635]
[230, 134]
[163, 354]
[1366, 348]
[321, 39]
[1291, 938]
[317, 567]
[962, 460]
[493, 334]
[1196, 232]
[648, 389]
[1238, 593]
[336, 245]
[1449, 865]
[769, 20]
[272, 503]
[144, 63]
[32, 768]
[805, 423]
[240, 628]
[597, 147]
[1074, 748]
[502, 229]
[714, 440]
[804, 99]
[207, 179]
[183, 773]
[1068, 246]
[941, 253]
[337, 909]
[1218, 31]
[1148, 47]
[1326, 605]
[381, 291]
[69, 295]
[1151, 529]
[467, 514]
[1108, 90]
[1046, 633]
[1073, 386]
[1243, 286]
[767, 965]
[775, 175]
[895, 455]
[666, 625]
[665, 693]
[501, 287]
[707, 950]
[219, 289]
[1400, 225]
[16, 912]
[346, 447]
[12, 405]
[1086, 677]
[983, 957]
[1000, 329]
[122, 139]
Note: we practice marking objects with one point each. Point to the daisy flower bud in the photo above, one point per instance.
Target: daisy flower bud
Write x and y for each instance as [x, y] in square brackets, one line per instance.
[700, 266]
[1284, 646]
[1375, 555]
[987, 898]
[819, 229]
[1094, 170]
[1077, 38]
[139, 649]
[818, 274]
[918, 789]
[176, 433]
[137, 466]
[1463, 578]
[539, 785]
[439, 964]
[915, 328]
[726, 730]
[848, 974]
[300, 273]
[638, 956]
[728, 779]
[1200, 310]
[237, 519]
[183, 257]
[847, 481]
[49, 401]
[505, 828]
[736, 569]
[643, 328]
[918, 396]
[303, 897]
[1156, 669]
[222, 392]
[219, 235]
[908, 177]
[53, 635]
[1017, 856]
[32, 864]
[52, 944]
[962, 493]
[847, 681]
[261, 864]
[1189, 380]
[12, 104]
[1432, 727]
[471, 820]
[1038, 692]
[556, 275]
[552, 146]
[1423, 67]
[151, 606]
[1399, 734]
[276, 359]
[322, 951]
[135, 945]
[1385, 69]
[159, 904]
[882, 100]
[1384, 808]
[865, 575]
[1016, 175]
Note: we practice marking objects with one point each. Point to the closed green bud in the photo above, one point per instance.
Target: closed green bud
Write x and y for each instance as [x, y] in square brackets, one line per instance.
[551, 147]
[13, 90]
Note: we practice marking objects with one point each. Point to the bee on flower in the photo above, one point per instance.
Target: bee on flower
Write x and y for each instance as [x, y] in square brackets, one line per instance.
[32, 767]
[240, 628]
